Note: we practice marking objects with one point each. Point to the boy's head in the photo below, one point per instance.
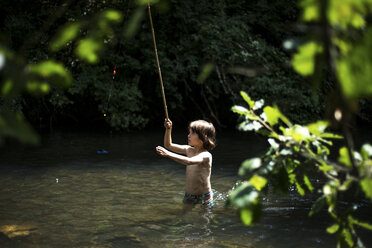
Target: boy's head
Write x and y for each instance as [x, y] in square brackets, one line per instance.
[206, 133]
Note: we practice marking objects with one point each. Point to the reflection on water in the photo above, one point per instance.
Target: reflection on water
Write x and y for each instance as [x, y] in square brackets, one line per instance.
[65, 195]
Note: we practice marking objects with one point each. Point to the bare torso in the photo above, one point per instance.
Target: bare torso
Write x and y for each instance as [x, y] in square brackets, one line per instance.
[198, 175]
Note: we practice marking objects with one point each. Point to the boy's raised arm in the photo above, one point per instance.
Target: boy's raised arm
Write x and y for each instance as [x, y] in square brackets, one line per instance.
[168, 139]
[198, 159]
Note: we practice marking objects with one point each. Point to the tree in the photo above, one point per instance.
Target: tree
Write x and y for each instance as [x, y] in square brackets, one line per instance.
[339, 44]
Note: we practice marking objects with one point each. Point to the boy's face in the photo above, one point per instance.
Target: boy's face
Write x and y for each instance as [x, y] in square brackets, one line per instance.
[193, 139]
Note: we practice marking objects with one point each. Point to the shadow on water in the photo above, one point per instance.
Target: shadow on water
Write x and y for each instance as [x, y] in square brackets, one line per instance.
[64, 194]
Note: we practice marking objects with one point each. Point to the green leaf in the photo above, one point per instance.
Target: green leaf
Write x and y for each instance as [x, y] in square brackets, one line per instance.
[325, 167]
[273, 144]
[298, 133]
[87, 49]
[7, 88]
[366, 151]
[318, 127]
[251, 214]
[366, 185]
[54, 72]
[205, 72]
[134, 22]
[300, 190]
[145, 2]
[37, 88]
[273, 115]
[308, 183]
[332, 229]
[318, 205]
[246, 216]
[258, 104]
[344, 157]
[246, 98]
[240, 110]
[331, 136]
[281, 181]
[347, 236]
[362, 224]
[65, 35]
[310, 10]
[14, 125]
[112, 15]
[258, 182]
[354, 69]
[249, 165]
[304, 61]
[250, 125]
[244, 195]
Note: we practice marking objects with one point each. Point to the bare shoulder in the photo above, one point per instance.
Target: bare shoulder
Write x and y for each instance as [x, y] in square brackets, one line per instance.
[207, 156]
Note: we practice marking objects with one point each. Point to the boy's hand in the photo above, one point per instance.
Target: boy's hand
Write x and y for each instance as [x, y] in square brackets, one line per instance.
[168, 124]
[162, 151]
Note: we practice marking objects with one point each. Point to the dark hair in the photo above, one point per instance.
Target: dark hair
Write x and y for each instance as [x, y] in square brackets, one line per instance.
[206, 132]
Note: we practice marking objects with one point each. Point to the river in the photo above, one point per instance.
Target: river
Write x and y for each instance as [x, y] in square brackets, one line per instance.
[64, 194]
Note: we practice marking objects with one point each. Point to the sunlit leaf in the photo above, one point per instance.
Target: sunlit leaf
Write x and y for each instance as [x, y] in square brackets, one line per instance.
[249, 165]
[346, 13]
[258, 182]
[344, 157]
[304, 61]
[332, 229]
[250, 125]
[244, 195]
[347, 236]
[318, 127]
[273, 115]
[273, 144]
[300, 190]
[205, 72]
[37, 88]
[346, 185]
[259, 104]
[112, 15]
[246, 98]
[366, 151]
[53, 72]
[246, 216]
[362, 224]
[325, 167]
[240, 110]
[308, 183]
[366, 185]
[355, 77]
[331, 136]
[310, 10]
[67, 34]
[251, 214]
[87, 49]
[298, 133]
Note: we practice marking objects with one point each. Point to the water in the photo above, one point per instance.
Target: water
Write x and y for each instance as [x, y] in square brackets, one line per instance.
[63, 194]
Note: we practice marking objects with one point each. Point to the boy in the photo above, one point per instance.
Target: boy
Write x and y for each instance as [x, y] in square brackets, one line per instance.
[198, 160]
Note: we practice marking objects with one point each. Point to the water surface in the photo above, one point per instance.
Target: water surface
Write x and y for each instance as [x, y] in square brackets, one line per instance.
[63, 194]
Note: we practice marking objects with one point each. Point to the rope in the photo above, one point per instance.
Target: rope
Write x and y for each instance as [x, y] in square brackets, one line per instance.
[157, 63]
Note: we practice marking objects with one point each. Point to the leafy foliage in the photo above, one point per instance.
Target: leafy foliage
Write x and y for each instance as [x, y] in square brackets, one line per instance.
[295, 151]
[340, 46]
